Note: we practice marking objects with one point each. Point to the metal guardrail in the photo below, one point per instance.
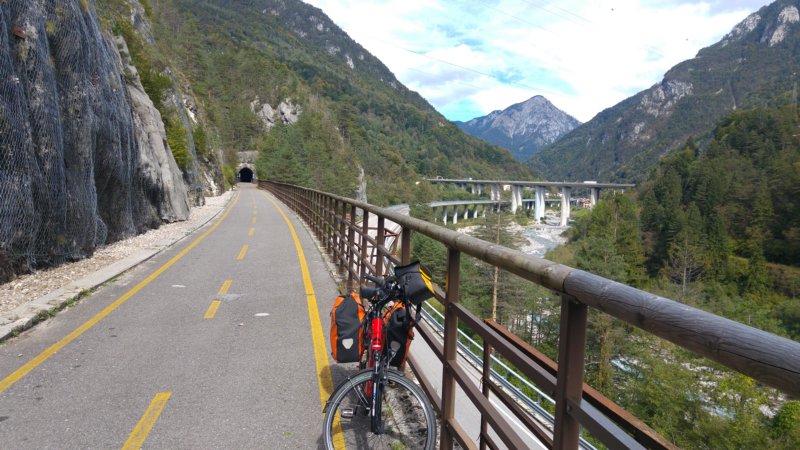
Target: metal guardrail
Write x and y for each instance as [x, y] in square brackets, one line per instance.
[768, 358]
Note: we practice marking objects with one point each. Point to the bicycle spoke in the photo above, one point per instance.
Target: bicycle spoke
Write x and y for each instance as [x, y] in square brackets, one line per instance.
[408, 418]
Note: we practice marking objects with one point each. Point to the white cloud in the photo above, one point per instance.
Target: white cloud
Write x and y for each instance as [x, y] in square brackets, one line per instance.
[583, 56]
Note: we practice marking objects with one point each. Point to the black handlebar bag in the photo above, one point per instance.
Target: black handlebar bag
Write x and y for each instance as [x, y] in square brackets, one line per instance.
[415, 281]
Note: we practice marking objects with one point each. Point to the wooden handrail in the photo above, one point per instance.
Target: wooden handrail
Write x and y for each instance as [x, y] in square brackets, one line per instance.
[768, 358]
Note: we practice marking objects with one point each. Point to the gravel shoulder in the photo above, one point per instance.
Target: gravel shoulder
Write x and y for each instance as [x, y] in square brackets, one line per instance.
[54, 282]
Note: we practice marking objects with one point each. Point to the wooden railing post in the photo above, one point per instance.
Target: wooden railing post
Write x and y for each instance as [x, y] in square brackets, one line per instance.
[302, 205]
[315, 211]
[450, 346]
[334, 250]
[569, 384]
[351, 242]
[364, 235]
[309, 205]
[342, 235]
[405, 246]
[309, 202]
[328, 225]
[486, 378]
[379, 241]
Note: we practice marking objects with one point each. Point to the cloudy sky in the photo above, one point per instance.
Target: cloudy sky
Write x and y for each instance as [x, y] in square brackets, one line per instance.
[470, 57]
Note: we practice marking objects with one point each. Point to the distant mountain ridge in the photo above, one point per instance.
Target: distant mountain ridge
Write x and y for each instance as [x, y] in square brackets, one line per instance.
[752, 66]
[522, 128]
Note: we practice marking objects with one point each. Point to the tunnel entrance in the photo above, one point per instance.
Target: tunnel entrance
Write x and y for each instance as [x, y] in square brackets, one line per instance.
[246, 175]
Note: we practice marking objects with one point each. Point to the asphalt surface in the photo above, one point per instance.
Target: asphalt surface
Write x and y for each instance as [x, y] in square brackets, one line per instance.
[244, 378]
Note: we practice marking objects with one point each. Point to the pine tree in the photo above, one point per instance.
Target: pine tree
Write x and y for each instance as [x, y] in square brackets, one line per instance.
[497, 228]
[687, 259]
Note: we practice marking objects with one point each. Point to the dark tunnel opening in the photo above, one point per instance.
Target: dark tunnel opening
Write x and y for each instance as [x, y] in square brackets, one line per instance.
[246, 175]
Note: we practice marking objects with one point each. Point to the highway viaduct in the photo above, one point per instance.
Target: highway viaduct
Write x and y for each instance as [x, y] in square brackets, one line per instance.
[496, 187]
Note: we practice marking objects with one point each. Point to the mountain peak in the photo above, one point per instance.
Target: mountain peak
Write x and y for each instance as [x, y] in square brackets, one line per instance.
[765, 26]
[523, 128]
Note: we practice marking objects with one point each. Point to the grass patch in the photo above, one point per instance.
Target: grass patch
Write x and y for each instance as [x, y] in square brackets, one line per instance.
[43, 315]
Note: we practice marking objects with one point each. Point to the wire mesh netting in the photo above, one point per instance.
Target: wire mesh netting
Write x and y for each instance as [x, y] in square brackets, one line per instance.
[72, 176]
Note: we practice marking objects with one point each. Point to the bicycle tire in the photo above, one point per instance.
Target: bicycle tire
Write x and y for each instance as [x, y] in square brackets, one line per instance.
[408, 418]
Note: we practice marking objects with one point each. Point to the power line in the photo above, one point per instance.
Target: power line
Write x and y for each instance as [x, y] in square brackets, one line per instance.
[561, 9]
[590, 25]
[468, 69]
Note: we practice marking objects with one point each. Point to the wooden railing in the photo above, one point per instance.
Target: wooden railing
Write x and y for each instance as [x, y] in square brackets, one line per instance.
[767, 358]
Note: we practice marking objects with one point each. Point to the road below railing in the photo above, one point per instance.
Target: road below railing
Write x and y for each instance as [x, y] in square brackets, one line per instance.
[340, 225]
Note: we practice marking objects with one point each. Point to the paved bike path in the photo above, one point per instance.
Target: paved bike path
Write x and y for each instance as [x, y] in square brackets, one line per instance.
[244, 378]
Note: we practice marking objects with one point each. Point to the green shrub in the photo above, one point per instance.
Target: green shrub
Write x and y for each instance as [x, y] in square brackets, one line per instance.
[229, 173]
[177, 140]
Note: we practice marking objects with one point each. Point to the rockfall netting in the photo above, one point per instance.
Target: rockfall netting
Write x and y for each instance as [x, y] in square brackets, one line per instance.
[73, 170]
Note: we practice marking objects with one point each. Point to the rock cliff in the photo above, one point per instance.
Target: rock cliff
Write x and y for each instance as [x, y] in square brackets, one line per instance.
[83, 154]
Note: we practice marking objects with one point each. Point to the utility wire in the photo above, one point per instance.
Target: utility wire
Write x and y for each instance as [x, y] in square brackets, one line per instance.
[587, 25]
[561, 9]
[538, 89]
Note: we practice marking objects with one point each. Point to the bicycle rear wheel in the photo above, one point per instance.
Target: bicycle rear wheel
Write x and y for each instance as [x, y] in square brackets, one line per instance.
[408, 418]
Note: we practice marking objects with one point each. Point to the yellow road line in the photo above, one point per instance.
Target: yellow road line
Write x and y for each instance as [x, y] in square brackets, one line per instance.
[242, 253]
[142, 429]
[225, 286]
[320, 352]
[50, 351]
[252, 231]
[212, 309]
[214, 306]
[254, 220]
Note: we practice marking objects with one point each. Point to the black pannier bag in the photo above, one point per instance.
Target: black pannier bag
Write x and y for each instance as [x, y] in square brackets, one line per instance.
[415, 281]
[399, 330]
[346, 317]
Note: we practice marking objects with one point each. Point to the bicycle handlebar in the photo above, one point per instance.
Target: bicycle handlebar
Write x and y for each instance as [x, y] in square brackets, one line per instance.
[377, 280]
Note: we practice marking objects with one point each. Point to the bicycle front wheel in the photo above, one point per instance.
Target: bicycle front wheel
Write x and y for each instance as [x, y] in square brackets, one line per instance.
[408, 418]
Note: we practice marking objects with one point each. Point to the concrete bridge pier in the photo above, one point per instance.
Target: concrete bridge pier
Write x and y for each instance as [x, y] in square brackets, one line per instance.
[514, 204]
[455, 214]
[539, 204]
[479, 187]
[565, 205]
[495, 193]
[444, 215]
[516, 198]
[594, 196]
[475, 211]
[466, 212]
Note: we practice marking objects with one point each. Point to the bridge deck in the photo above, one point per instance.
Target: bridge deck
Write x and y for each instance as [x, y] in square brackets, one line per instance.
[247, 377]
[485, 202]
[585, 184]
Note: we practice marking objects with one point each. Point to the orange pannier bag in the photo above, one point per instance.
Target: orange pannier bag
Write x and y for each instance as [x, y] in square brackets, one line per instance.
[399, 328]
[346, 317]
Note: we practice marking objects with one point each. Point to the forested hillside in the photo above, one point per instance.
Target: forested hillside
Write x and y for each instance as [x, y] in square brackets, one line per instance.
[352, 113]
[718, 230]
[753, 66]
